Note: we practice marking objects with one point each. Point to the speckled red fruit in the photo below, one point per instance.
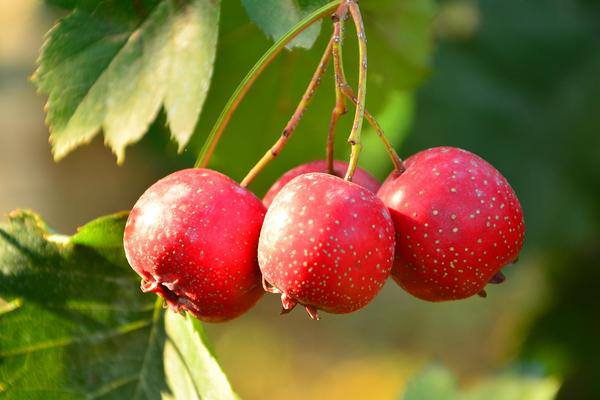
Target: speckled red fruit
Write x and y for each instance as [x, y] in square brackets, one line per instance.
[192, 237]
[327, 244]
[361, 177]
[457, 220]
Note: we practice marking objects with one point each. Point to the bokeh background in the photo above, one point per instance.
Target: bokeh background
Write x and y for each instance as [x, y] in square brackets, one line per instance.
[517, 82]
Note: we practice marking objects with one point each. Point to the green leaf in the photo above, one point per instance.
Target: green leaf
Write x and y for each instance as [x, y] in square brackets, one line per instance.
[436, 382]
[512, 386]
[191, 368]
[395, 119]
[276, 17]
[112, 65]
[400, 39]
[74, 324]
[103, 232]
[71, 4]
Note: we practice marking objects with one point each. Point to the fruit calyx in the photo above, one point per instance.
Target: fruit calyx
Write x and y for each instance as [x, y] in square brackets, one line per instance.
[168, 290]
[288, 302]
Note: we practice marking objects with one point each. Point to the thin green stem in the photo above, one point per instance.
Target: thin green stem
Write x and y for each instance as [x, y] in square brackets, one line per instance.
[239, 93]
[345, 89]
[354, 138]
[399, 167]
[340, 103]
[290, 127]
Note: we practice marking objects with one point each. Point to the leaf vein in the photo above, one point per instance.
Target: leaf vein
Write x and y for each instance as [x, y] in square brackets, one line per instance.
[64, 342]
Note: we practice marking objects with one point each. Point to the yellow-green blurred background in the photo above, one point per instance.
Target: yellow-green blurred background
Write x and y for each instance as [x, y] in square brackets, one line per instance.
[517, 82]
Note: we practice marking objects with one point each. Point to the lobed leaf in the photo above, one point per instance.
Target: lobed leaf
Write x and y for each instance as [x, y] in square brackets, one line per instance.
[112, 65]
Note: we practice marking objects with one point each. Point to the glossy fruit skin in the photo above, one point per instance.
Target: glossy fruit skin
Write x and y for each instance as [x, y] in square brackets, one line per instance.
[457, 221]
[192, 237]
[327, 244]
[361, 177]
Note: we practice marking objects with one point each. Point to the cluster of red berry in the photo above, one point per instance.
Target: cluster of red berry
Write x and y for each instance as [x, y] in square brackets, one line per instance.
[442, 229]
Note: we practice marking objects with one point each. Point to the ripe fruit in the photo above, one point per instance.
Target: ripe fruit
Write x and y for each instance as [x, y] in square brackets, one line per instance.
[327, 244]
[457, 220]
[361, 177]
[192, 237]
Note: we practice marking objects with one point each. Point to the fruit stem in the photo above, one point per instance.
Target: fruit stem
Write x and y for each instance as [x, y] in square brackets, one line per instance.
[354, 137]
[338, 67]
[345, 89]
[274, 151]
[399, 167]
[215, 134]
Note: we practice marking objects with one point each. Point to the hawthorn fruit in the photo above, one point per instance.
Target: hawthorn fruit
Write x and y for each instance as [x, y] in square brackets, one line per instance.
[192, 237]
[327, 244]
[457, 221]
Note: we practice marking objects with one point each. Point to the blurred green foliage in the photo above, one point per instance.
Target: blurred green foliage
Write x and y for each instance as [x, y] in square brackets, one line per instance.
[523, 92]
[436, 382]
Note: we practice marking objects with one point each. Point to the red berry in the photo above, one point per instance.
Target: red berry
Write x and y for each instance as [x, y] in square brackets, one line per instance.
[192, 237]
[361, 177]
[457, 220]
[327, 244]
